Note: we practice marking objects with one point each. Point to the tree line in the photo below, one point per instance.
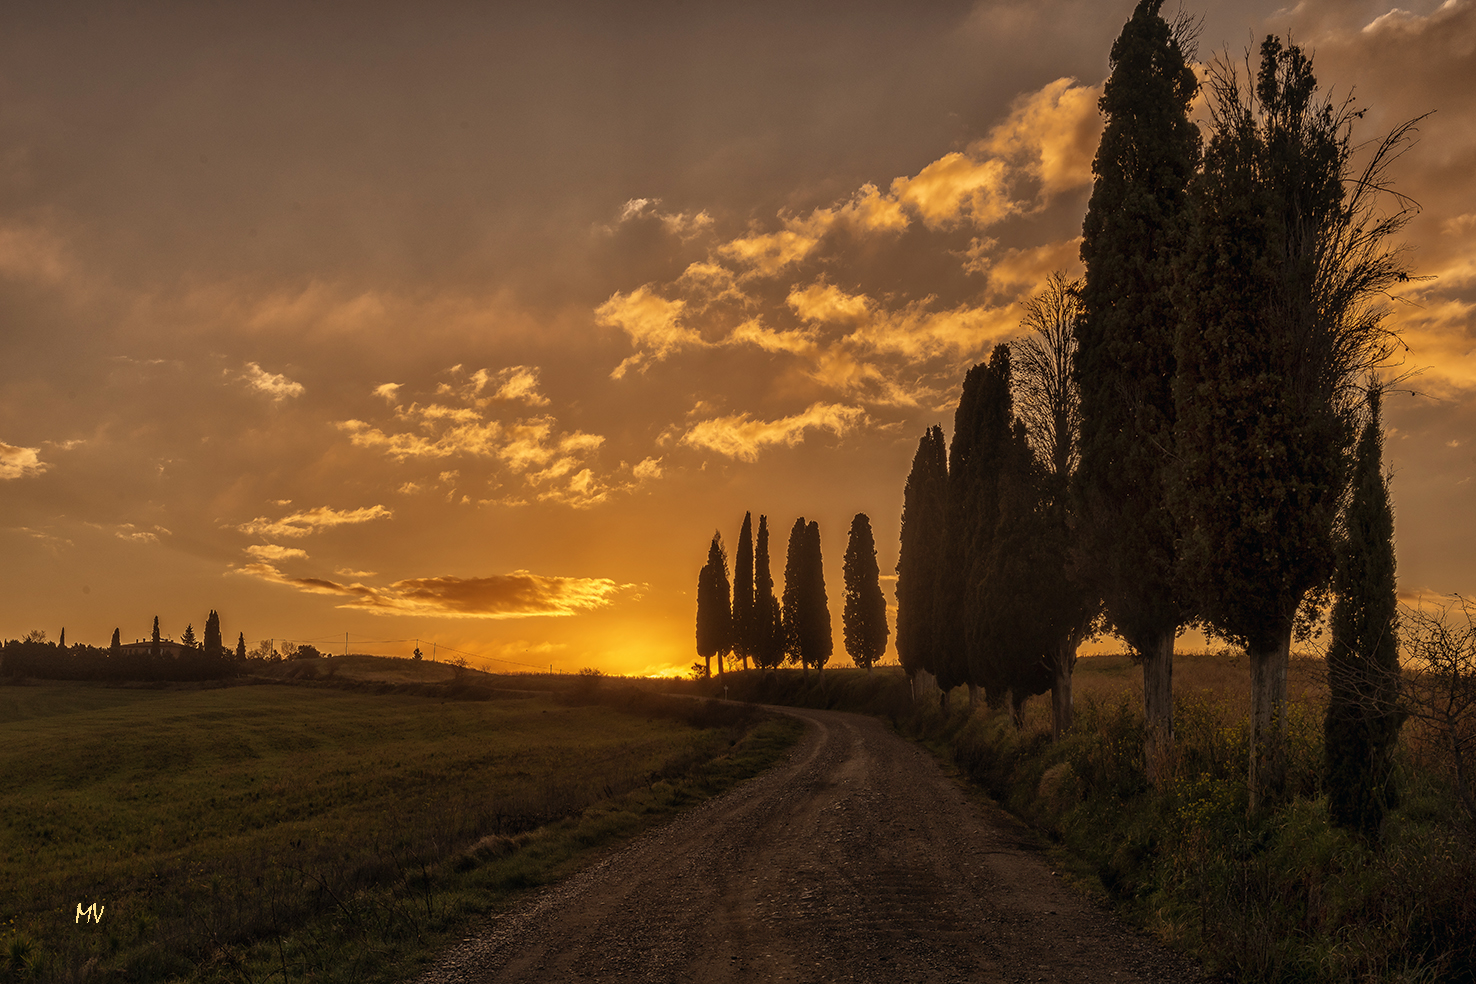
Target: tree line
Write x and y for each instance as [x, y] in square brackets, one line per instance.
[1190, 435]
[748, 621]
[160, 659]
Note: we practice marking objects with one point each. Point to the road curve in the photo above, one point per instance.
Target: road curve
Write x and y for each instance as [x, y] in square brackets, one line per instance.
[855, 859]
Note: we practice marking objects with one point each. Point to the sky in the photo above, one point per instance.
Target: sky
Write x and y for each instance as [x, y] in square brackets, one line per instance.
[467, 326]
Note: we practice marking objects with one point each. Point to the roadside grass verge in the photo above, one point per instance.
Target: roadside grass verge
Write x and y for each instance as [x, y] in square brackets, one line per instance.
[1280, 897]
[272, 832]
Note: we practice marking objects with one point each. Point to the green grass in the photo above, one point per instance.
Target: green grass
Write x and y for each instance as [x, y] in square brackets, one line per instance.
[348, 834]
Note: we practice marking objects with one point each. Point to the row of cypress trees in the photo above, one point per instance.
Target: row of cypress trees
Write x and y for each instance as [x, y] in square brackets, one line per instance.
[204, 659]
[1222, 355]
[756, 625]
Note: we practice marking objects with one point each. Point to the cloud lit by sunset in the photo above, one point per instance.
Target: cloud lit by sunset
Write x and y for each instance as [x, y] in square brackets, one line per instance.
[515, 313]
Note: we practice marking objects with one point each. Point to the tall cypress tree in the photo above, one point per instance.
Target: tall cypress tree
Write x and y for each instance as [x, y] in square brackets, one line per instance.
[241, 647]
[745, 622]
[1280, 328]
[816, 638]
[769, 625]
[1363, 721]
[969, 522]
[920, 554]
[714, 614]
[115, 648]
[154, 640]
[212, 635]
[981, 436]
[794, 596]
[1125, 360]
[1007, 636]
[865, 613]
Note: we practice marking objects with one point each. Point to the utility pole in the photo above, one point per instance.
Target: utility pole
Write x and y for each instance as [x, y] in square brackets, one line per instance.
[345, 643]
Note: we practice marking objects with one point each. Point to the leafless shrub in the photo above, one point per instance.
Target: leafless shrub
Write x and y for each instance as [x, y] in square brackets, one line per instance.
[1439, 686]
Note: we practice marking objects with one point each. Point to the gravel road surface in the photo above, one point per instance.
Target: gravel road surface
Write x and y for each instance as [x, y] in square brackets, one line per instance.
[855, 859]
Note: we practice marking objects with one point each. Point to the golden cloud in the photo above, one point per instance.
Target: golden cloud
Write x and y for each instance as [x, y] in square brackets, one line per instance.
[742, 437]
[309, 521]
[653, 324]
[1053, 133]
[469, 438]
[917, 333]
[1029, 268]
[954, 186]
[275, 385]
[828, 303]
[272, 551]
[752, 332]
[516, 595]
[18, 462]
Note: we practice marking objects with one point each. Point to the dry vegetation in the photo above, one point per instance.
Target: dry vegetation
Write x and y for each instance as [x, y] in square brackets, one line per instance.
[1279, 896]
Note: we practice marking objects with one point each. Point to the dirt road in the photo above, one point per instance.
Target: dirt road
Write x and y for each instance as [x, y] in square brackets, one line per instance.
[856, 859]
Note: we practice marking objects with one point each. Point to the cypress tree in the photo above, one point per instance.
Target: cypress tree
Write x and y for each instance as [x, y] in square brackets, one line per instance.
[115, 648]
[62, 642]
[154, 640]
[864, 617]
[212, 641]
[769, 626]
[981, 429]
[1125, 360]
[1279, 330]
[794, 596]
[920, 554]
[745, 621]
[1363, 721]
[1007, 637]
[816, 638]
[969, 522]
[241, 647]
[714, 616]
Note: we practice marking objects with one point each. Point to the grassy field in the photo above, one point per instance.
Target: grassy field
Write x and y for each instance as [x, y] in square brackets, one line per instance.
[236, 833]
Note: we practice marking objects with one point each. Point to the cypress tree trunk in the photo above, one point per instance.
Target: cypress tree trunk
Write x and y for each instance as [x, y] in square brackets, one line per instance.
[1158, 706]
[1268, 720]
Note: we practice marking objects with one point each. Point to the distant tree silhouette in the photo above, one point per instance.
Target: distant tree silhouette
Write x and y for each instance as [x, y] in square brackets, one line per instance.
[745, 618]
[816, 640]
[768, 618]
[1125, 363]
[714, 614]
[794, 560]
[115, 648]
[1047, 400]
[188, 639]
[920, 554]
[212, 642]
[62, 643]
[154, 641]
[1281, 327]
[241, 647]
[1363, 717]
[417, 654]
[864, 617]
[806, 613]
